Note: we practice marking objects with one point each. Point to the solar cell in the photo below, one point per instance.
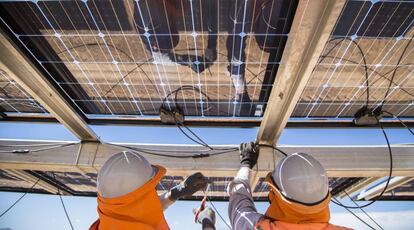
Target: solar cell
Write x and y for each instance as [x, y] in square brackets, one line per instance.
[366, 61]
[13, 98]
[127, 57]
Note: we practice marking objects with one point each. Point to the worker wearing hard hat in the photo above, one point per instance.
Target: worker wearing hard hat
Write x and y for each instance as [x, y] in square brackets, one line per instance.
[127, 196]
[299, 196]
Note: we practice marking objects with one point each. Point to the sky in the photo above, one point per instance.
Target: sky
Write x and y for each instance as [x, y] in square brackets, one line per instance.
[37, 211]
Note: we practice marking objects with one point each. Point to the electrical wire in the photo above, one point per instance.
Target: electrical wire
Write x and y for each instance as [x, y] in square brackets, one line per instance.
[395, 71]
[361, 52]
[30, 145]
[205, 144]
[182, 88]
[275, 148]
[376, 72]
[24, 151]
[359, 218]
[388, 180]
[200, 141]
[63, 204]
[20, 198]
[123, 52]
[372, 219]
[196, 154]
[216, 210]
[186, 151]
[411, 131]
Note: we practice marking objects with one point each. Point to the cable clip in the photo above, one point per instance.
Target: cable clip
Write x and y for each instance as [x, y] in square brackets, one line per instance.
[21, 151]
[201, 155]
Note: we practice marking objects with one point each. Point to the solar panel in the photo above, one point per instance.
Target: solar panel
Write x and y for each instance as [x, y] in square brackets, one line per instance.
[129, 58]
[85, 184]
[14, 98]
[369, 54]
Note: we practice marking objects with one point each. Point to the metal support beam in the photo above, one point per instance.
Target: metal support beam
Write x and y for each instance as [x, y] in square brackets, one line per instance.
[311, 28]
[376, 190]
[20, 69]
[339, 161]
[32, 179]
[358, 186]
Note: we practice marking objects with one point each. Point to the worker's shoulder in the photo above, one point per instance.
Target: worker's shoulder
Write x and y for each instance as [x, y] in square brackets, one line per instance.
[268, 224]
[336, 227]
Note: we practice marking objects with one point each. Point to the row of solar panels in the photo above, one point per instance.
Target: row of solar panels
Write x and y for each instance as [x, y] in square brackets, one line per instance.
[85, 185]
[125, 58]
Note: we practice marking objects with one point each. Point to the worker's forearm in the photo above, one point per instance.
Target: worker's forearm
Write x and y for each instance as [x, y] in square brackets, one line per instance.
[166, 200]
[242, 211]
[244, 174]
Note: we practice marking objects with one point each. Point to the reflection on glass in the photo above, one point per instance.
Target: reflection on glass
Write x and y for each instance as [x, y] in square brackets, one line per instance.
[158, 21]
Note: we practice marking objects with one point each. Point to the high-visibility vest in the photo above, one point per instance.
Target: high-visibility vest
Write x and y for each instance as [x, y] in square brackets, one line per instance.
[286, 214]
[139, 209]
[268, 224]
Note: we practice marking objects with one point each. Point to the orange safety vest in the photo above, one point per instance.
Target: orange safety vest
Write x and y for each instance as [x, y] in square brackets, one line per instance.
[284, 214]
[139, 209]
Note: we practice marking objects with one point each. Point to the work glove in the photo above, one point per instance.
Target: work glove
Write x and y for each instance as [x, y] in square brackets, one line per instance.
[249, 152]
[189, 186]
[207, 217]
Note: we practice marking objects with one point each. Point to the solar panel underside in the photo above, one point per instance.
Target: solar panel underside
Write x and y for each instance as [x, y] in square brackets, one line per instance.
[368, 60]
[77, 184]
[15, 99]
[115, 58]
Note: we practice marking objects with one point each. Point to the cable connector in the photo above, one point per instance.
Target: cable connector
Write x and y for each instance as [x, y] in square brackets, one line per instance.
[368, 116]
[171, 116]
[21, 151]
[201, 155]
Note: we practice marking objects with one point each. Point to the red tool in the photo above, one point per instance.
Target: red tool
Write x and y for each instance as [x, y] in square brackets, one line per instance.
[202, 205]
[201, 208]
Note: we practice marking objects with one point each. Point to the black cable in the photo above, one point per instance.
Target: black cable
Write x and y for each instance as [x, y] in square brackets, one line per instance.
[190, 138]
[363, 58]
[355, 215]
[32, 145]
[195, 155]
[218, 213]
[188, 151]
[395, 71]
[151, 153]
[203, 143]
[411, 131]
[275, 148]
[372, 219]
[366, 70]
[376, 72]
[63, 204]
[18, 200]
[123, 52]
[388, 180]
[182, 88]
[36, 150]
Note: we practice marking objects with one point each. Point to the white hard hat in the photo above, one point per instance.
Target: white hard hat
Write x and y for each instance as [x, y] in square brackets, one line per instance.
[301, 178]
[123, 173]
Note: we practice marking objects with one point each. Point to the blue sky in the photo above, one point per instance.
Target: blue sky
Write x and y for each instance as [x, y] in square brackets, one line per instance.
[37, 211]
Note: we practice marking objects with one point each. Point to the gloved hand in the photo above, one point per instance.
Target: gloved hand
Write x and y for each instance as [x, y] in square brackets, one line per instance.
[207, 217]
[249, 152]
[189, 186]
